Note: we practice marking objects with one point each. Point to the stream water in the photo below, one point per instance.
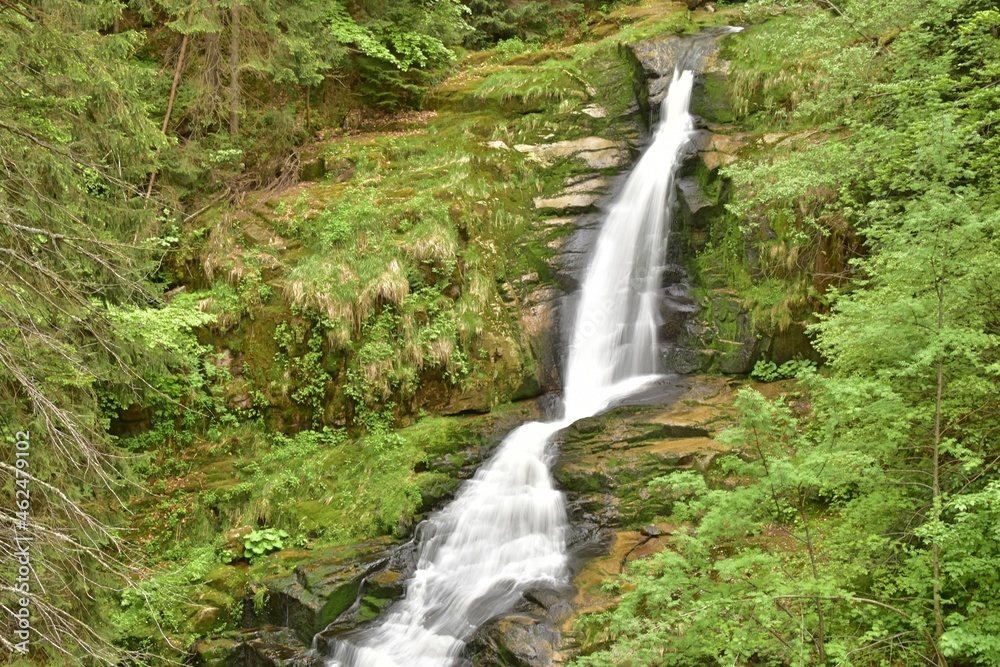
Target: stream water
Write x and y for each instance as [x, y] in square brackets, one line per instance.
[505, 532]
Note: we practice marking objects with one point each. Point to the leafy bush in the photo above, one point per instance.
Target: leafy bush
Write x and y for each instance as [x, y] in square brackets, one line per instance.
[768, 371]
[260, 542]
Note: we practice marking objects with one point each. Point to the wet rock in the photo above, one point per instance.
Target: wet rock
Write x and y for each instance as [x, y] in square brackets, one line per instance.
[607, 461]
[573, 257]
[677, 310]
[217, 652]
[651, 530]
[672, 274]
[278, 647]
[739, 344]
[538, 321]
[595, 111]
[696, 206]
[515, 640]
[658, 57]
[686, 360]
[555, 604]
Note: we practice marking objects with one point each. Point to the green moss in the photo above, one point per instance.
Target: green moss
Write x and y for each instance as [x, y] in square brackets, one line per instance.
[337, 603]
[713, 103]
[438, 436]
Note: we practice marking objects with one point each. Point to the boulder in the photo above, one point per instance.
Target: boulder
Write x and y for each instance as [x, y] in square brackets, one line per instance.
[696, 206]
[715, 159]
[261, 647]
[321, 586]
[515, 640]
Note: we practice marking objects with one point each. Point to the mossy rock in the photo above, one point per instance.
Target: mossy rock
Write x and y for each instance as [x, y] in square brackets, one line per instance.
[263, 647]
[320, 587]
[515, 640]
[224, 651]
[711, 98]
[434, 487]
[607, 461]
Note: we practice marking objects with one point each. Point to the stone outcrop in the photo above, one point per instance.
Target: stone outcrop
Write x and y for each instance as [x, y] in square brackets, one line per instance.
[597, 152]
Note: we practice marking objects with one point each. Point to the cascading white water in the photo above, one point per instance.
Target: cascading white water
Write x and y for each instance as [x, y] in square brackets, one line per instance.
[505, 531]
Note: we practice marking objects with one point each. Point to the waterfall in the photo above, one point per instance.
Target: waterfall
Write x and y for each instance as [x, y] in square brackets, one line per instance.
[505, 532]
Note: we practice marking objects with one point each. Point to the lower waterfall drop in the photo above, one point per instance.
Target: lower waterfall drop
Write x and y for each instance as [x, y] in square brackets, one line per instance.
[505, 532]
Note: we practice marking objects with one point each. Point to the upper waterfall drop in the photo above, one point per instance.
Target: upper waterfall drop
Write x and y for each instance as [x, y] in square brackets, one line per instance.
[505, 532]
[614, 342]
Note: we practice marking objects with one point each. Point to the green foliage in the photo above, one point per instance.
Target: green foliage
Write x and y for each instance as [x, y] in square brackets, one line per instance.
[260, 542]
[161, 603]
[497, 20]
[768, 371]
[763, 571]
[406, 275]
[537, 87]
[77, 240]
[392, 40]
[300, 360]
[852, 523]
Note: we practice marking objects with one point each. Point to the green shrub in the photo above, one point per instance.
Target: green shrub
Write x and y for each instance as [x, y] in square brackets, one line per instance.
[261, 542]
[768, 371]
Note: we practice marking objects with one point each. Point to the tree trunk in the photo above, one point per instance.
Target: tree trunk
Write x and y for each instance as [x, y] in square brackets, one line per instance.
[936, 511]
[170, 101]
[820, 621]
[211, 105]
[234, 69]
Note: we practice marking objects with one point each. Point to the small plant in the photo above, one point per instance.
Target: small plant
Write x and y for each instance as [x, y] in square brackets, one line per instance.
[261, 542]
[765, 371]
[508, 48]
[768, 371]
[260, 598]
